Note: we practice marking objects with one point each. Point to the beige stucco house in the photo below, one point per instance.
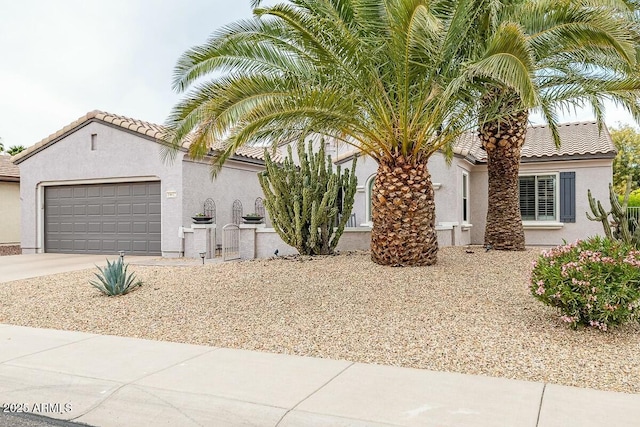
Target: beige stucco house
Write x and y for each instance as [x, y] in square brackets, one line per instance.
[100, 185]
[9, 202]
[553, 185]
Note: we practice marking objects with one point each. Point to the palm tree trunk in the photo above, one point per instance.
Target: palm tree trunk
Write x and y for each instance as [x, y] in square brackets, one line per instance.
[503, 141]
[403, 212]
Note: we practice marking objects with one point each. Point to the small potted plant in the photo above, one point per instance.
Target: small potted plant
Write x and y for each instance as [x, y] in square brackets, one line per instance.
[252, 218]
[201, 218]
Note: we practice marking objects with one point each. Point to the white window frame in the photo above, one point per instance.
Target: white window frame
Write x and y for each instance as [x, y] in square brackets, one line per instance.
[556, 198]
[465, 197]
[368, 190]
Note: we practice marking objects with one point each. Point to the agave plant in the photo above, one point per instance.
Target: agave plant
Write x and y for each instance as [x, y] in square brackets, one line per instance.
[114, 280]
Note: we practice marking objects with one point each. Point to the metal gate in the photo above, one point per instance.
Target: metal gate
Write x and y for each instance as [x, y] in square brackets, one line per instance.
[230, 242]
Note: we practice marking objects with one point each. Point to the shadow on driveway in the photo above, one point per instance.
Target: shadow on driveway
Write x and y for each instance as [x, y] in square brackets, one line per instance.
[18, 267]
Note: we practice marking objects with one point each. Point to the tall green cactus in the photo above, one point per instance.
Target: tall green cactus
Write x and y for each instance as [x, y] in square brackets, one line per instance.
[302, 201]
[618, 228]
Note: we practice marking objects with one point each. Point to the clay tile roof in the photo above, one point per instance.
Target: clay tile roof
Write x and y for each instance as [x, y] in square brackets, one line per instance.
[8, 171]
[577, 139]
[151, 130]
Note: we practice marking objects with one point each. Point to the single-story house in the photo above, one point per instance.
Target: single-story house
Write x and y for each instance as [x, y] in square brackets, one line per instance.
[100, 185]
[553, 184]
[9, 202]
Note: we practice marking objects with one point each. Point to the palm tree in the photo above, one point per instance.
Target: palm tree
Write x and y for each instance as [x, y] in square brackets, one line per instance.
[15, 149]
[580, 53]
[389, 77]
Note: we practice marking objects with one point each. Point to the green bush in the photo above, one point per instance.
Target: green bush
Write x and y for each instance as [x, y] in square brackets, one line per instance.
[634, 198]
[114, 280]
[595, 282]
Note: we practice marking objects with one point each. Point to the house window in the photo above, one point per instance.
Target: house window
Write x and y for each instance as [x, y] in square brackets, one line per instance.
[369, 187]
[94, 141]
[465, 198]
[538, 197]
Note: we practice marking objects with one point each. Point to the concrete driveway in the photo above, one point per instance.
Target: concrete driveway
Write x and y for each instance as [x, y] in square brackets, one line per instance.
[17, 267]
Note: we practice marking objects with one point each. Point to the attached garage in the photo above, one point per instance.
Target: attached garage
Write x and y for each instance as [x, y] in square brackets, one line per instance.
[102, 185]
[103, 218]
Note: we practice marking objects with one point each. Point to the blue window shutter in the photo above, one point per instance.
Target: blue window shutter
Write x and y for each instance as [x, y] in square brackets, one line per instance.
[567, 197]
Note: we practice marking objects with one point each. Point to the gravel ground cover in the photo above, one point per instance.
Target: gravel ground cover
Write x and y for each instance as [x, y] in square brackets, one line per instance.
[471, 313]
[9, 250]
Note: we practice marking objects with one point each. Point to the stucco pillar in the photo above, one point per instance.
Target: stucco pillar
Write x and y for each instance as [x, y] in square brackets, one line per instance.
[199, 238]
[248, 240]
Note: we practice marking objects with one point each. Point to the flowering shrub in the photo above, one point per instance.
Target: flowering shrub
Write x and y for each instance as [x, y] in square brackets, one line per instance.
[594, 282]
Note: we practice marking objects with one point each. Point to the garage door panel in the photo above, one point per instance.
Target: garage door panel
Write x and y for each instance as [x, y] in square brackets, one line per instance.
[94, 245]
[65, 244]
[139, 209]
[80, 245]
[124, 245]
[124, 190]
[108, 191]
[154, 208]
[139, 190]
[109, 209]
[140, 246]
[154, 247]
[103, 218]
[109, 246]
[65, 193]
[93, 210]
[139, 227]
[124, 209]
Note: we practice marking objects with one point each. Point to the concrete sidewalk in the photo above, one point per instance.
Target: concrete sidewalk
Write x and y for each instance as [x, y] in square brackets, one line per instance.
[113, 381]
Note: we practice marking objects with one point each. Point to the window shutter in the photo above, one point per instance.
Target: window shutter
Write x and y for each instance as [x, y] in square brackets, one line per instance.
[567, 197]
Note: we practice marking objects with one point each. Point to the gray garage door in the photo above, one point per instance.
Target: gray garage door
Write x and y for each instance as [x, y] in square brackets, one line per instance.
[103, 218]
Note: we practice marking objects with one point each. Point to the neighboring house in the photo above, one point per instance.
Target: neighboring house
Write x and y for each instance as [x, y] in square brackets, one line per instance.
[9, 202]
[99, 185]
[553, 185]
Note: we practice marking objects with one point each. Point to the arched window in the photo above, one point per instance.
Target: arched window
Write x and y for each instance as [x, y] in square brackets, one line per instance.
[210, 209]
[369, 189]
[236, 212]
[259, 207]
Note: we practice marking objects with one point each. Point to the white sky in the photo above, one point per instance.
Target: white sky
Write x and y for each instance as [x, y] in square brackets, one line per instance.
[60, 59]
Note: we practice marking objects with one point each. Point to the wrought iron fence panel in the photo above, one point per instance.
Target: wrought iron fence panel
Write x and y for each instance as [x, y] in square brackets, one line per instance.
[230, 242]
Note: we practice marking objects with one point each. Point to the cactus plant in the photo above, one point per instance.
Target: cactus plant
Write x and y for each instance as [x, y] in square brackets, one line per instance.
[302, 201]
[619, 228]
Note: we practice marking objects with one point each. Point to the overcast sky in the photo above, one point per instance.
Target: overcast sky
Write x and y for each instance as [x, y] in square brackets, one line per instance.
[63, 58]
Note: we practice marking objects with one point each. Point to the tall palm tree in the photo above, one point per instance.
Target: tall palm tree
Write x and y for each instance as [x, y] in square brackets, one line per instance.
[15, 149]
[582, 52]
[386, 76]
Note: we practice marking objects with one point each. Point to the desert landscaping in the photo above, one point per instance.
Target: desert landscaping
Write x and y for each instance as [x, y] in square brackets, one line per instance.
[470, 313]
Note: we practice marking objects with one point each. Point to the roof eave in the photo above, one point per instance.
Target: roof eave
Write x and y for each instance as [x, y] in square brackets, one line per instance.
[555, 158]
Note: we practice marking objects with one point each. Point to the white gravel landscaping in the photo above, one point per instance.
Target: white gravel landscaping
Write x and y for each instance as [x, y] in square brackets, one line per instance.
[471, 313]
